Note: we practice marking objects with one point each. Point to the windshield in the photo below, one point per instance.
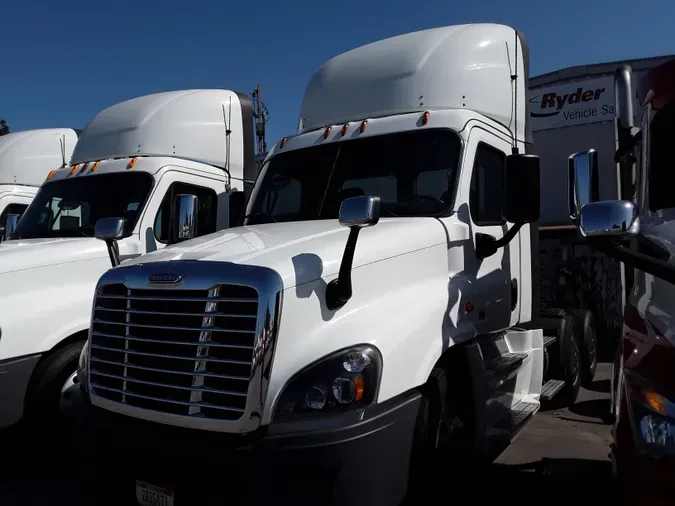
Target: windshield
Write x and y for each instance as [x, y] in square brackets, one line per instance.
[412, 172]
[71, 207]
[660, 166]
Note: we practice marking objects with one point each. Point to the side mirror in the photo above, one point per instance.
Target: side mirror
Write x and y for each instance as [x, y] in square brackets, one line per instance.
[610, 218]
[10, 224]
[188, 207]
[111, 230]
[360, 211]
[583, 187]
[521, 187]
[521, 201]
[355, 213]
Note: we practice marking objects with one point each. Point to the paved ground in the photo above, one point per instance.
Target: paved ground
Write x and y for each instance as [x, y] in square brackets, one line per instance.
[561, 458]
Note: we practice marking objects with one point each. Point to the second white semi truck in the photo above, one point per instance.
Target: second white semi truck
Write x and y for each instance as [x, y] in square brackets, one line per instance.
[376, 314]
[151, 161]
[26, 157]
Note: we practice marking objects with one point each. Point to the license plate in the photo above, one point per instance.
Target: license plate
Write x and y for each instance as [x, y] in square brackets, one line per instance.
[151, 495]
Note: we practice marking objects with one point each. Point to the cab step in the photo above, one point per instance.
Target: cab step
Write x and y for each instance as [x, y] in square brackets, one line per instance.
[551, 388]
[549, 340]
[516, 419]
[504, 363]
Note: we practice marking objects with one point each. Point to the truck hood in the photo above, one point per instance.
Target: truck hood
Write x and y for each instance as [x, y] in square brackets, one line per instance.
[27, 254]
[305, 251]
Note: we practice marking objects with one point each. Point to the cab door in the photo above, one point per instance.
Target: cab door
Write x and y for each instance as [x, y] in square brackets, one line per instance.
[497, 277]
[155, 227]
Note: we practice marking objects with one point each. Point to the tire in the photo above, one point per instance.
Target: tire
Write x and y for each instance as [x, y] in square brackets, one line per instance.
[588, 344]
[429, 460]
[43, 398]
[565, 364]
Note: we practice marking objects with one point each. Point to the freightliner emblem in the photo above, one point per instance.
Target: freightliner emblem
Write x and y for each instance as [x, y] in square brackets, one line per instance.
[164, 279]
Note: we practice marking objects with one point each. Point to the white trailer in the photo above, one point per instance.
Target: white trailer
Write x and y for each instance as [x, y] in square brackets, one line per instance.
[369, 318]
[151, 161]
[26, 157]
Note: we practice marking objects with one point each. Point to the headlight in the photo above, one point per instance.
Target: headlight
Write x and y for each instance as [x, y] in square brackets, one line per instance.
[344, 381]
[83, 367]
[658, 433]
[655, 419]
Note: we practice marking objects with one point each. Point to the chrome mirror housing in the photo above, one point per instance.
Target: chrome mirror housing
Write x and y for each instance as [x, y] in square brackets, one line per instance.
[363, 211]
[610, 218]
[187, 206]
[11, 221]
[583, 186]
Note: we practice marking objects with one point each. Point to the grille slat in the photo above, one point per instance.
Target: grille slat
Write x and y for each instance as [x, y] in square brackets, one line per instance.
[184, 403]
[180, 299]
[185, 352]
[165, 385]
[174, 313]
[170, 327]
[167, 371]
[129, 351]
[211, 344]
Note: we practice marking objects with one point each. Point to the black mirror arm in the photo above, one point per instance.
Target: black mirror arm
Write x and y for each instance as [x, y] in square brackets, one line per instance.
[339, 290]
[487, 245]
[654, 266]
[113, 252]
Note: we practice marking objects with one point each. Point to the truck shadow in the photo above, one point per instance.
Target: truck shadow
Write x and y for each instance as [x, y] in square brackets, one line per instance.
[546, 481]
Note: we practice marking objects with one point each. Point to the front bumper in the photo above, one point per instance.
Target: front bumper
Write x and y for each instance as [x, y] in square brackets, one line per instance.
[15, 374]
[649, 481]
[338, 461]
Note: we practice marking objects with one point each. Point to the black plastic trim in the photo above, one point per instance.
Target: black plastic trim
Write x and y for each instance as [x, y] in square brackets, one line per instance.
[535, 273]
[250, 171]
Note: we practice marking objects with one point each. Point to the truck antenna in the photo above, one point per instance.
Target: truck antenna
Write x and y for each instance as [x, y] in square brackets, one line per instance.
[228, 131]
[62, 141]
[514, 78]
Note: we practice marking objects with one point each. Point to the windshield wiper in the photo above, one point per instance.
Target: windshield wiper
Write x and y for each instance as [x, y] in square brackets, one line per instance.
[264, 215]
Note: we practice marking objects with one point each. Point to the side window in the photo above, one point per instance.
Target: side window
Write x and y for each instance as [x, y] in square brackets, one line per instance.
[12, 209]
[206, 216]
[487, 184]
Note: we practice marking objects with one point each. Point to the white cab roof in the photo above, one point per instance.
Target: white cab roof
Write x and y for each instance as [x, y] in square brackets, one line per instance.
[452, 67]
[189, 124]
[26, 157]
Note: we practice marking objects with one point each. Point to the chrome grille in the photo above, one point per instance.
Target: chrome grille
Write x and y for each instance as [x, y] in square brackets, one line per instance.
[179, 351]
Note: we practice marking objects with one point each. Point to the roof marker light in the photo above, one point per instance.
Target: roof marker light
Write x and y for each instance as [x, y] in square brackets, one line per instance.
[363, 126]
[425, 118]
[51, 173]
[326, 133]
[132, 162]
[283, 142]
[95, 166]
[345, 127]
[74, 169]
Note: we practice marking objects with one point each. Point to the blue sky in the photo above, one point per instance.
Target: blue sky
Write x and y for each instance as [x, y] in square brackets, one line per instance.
[64, 61]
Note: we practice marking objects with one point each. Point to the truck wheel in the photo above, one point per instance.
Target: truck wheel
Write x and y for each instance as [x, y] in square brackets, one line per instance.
[585, 331]
[565, 363]
[437, 432]
[47, 387]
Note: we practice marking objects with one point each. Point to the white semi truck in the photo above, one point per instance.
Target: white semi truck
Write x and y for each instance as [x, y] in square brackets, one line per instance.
[26, 157]
[144, 160]
[377, 309]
